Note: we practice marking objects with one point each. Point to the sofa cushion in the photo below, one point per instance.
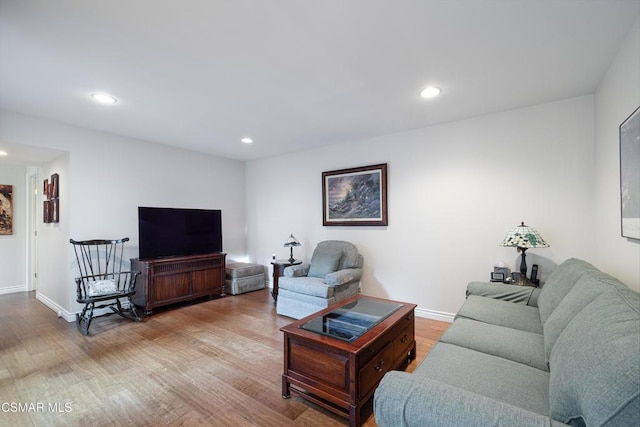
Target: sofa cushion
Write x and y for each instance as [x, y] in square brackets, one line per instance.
[501, 291]
[312, 286]
[595, 368]
[402, 399]
[324, 261]
[588, 287]
[559, 283]
[350, 257]
[494, 377]
[519, 346]
[501, 313]
[297, 306]
[101, 287]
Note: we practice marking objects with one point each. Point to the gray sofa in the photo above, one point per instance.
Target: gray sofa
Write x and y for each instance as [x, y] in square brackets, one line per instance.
[568, 353]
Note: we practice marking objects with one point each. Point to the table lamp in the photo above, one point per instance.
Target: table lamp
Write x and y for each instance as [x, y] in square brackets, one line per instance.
[290, 243]
[524, 237]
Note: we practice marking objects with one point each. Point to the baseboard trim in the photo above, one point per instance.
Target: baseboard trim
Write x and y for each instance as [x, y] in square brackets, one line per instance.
[60, 312]
[71, 316]
[435, 315]
[13, 289]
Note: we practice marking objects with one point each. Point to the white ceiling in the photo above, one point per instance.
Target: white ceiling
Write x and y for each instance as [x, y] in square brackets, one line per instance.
[294, 74]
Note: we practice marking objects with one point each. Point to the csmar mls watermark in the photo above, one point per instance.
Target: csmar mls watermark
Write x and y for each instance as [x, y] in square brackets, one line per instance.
[14, 407]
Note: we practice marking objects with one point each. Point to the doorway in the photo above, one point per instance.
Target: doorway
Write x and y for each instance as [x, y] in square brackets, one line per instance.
[32, 240]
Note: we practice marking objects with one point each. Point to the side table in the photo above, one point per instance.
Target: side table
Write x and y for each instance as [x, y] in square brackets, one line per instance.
[278, 270]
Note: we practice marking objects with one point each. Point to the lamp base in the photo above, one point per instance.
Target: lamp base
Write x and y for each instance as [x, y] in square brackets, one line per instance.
[291, 258]
[523, 267]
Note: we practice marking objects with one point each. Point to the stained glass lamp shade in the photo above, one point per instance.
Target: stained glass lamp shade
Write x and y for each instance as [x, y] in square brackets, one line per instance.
[524, 237]
[290, 243]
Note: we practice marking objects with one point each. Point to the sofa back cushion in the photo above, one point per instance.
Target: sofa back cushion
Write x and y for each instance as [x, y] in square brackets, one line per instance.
[588, 287]
[349, 258]
[325, 260]
[594, 364]
[559, 283]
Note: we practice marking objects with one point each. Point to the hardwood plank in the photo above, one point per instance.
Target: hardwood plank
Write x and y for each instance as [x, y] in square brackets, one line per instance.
[215, 362]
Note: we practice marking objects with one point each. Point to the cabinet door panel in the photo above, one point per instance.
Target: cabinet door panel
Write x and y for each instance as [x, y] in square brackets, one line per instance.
[170, 287]
[206, 280]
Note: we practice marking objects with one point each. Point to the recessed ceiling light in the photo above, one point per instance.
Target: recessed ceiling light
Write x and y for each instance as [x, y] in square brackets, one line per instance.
[430, 92]
[246, 140]
[103, 98]
[3, 153]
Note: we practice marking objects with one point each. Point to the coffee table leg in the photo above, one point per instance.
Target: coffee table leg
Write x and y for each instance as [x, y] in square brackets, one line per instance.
[354, 416]
[285, 387]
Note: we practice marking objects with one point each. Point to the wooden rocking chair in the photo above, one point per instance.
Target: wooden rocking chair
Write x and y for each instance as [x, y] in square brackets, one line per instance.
[102, 281]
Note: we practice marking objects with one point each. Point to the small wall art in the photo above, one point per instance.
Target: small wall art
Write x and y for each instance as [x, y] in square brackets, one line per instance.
[6, 209]
[355, 196]
[630, 175]
[51, 206]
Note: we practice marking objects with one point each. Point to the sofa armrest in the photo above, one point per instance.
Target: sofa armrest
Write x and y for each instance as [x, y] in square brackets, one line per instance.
[341, 277]
[299, 270]
[512, 293]
[404, 399]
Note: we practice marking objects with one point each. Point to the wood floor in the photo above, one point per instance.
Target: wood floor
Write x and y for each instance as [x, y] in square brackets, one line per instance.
[213, 363]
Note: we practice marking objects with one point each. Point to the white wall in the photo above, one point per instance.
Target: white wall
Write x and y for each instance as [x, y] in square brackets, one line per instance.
[455, 190]
[105, 179]
[55, 280]
[617, 96]
[13, 256]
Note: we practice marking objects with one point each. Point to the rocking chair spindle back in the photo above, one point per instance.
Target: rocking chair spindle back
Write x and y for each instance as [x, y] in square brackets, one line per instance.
[102, 280]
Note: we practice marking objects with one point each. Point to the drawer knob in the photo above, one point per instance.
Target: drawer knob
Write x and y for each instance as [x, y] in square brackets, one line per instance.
[404, 339]
[378, 367]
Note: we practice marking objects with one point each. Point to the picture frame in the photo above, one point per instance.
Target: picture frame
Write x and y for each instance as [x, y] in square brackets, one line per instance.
[630, 176]
[55, 211]
[497, 276]
[46, 211]
[54, 186]
[6, 210]
[355, 196]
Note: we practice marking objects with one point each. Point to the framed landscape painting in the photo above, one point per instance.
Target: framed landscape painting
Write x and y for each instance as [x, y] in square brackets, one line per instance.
[630, 175]
[6, 209]
[356, 196]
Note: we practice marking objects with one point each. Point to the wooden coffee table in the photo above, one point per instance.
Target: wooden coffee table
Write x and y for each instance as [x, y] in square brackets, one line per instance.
[327, 363]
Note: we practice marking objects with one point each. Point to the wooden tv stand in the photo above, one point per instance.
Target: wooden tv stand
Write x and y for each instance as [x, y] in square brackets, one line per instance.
[165, 281]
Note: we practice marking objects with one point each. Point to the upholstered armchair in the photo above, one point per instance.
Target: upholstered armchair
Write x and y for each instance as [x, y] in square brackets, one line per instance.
[332, 275]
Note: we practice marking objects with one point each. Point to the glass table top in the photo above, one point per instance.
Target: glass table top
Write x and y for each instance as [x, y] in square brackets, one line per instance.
[352, 320]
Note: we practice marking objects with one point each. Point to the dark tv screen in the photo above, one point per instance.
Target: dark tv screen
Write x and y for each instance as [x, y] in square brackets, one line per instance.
[165, 232]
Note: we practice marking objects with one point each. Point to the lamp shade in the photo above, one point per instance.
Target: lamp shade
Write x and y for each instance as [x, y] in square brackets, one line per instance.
[524, 237]
[291, 241]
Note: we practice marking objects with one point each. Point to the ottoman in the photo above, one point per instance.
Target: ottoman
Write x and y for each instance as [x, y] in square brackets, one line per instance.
[244, 277]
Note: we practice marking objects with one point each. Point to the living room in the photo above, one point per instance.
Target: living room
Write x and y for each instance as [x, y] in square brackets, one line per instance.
[454, 192]
[455, 188]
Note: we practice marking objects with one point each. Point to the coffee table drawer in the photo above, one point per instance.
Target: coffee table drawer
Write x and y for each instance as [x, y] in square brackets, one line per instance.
[403, 343]
[375, 369]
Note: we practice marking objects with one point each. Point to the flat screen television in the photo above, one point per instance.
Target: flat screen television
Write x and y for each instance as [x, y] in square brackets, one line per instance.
[165, 232]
